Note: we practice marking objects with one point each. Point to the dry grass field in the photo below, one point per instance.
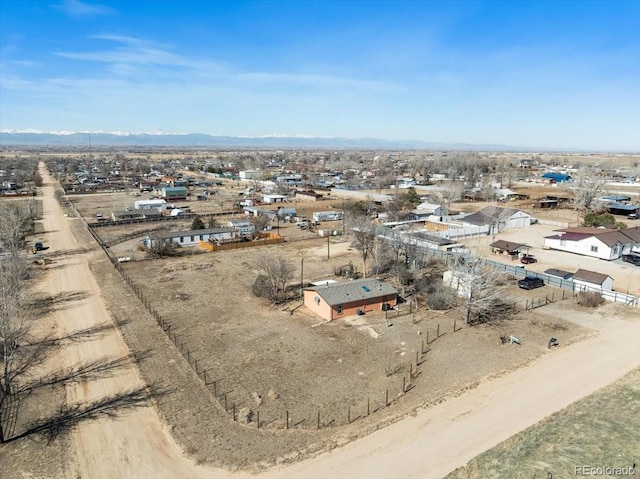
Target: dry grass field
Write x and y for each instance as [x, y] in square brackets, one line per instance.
[268, 358]
[602, 430]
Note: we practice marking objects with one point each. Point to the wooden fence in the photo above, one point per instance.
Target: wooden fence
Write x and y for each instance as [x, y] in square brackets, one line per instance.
[262, 240]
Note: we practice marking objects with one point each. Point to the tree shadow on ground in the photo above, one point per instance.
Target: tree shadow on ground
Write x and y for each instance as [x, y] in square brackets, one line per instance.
[70, 415]
[66, 252]
[44, 304]
[67, 415]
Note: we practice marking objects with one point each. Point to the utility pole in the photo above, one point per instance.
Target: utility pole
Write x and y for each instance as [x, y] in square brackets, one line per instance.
[301, 276]
[328, 238]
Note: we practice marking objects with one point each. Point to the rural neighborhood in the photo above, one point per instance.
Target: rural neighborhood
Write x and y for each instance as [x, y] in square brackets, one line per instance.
[386, 284]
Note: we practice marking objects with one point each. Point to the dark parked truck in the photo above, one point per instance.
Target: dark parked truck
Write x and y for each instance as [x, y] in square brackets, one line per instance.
[530, 283]
[38, 246]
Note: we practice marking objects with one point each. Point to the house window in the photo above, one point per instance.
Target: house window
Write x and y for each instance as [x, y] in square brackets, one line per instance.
[192, 239]
[201, 237]
[339, 309]
[181, 239]
[594, 249]
[563, 242]
[372, 300]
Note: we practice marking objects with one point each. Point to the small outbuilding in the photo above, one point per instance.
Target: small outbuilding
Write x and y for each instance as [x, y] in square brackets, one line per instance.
[591, 281]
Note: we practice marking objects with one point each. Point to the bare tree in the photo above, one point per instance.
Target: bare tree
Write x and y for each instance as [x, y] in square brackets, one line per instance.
[163, 248]
[364, 234]
[497, 218]
[277, 272]
[16, 220]
[481, 286]
[448, 194]
[260, 222]
[384, 180]
[586, 188]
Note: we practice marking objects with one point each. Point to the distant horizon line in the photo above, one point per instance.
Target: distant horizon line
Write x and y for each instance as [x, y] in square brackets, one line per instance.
[339, 141]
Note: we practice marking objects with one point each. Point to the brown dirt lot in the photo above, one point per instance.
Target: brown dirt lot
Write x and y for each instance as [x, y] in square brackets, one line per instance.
[296, 365]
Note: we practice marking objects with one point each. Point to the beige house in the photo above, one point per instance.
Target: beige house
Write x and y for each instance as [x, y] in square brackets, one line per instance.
[338, 300]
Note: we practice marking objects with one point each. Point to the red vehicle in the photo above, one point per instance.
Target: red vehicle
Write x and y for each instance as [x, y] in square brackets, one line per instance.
[528, 259]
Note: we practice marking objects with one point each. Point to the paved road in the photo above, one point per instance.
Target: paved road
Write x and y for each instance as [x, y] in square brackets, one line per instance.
[429, 445]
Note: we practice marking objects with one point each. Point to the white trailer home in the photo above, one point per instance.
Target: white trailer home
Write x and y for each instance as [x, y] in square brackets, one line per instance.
[158, 204]
[327, 215]
[191, 237]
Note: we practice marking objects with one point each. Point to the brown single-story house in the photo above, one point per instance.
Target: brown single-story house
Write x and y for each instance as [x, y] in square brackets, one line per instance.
[338, 300]
[508, 247]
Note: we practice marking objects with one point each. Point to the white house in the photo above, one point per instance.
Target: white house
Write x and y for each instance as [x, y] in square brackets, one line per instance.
[603, 243]
[158, 204]
[250, 174]
[244, 227]
[274, 198]
[191, 237]
[585, 280]
[424, 210]
[497, 217]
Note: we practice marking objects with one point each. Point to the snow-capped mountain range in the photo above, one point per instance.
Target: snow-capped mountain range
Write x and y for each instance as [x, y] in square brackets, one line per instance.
[162, 138]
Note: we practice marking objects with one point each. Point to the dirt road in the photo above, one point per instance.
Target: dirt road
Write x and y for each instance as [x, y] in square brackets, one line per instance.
[429, 445]
[137, 444]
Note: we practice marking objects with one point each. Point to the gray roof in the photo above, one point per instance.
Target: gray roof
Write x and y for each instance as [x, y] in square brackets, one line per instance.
[559, 273]
[356, 290]
[139, 213]
[482, 217]
[177, 234]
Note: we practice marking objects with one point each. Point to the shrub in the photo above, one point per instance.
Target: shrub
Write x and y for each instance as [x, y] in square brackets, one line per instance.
[441, 297]
[163, 249]
[261, 287]
[590, 299]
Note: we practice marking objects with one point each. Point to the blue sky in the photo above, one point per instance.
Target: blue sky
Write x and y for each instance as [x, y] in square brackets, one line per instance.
[534, 74]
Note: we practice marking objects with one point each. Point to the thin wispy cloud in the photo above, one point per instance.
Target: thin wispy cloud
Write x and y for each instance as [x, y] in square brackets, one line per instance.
[78, 9]
[134, 57]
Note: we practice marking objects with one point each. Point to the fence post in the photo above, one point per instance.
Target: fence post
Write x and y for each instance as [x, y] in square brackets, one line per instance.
[287, 420]
[368, 405]
[404, 381]
[257, 416]
[348, 414]
[386, 398]
[318, 424]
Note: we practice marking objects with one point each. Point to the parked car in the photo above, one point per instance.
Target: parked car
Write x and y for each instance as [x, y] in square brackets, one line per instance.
[631, 258]
[530, 283]
[633, 216]
[528, 259]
